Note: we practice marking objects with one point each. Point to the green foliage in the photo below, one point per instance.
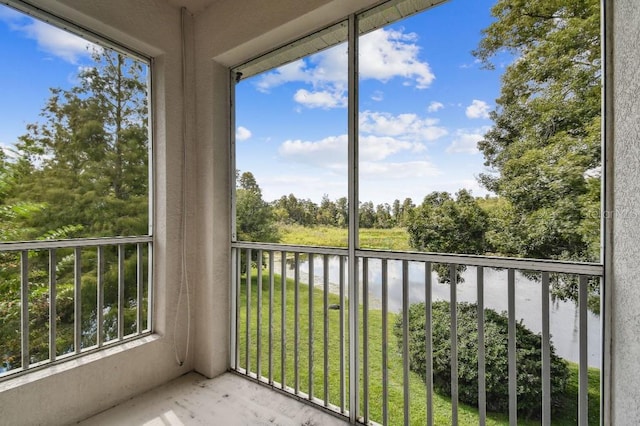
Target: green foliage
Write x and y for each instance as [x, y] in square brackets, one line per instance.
[528, 356]
[81, 172]
[289, 210]
[446, 225]
[87, 162]
[544, 146]
[254, 217]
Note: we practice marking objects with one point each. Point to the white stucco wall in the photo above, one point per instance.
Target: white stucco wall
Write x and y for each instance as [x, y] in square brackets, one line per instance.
[625, 256]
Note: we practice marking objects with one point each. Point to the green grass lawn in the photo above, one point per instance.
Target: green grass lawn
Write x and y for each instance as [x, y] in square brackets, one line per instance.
[330, 236]
[442, 407]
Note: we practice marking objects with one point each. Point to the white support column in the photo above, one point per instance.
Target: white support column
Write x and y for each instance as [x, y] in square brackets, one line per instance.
[623, 215]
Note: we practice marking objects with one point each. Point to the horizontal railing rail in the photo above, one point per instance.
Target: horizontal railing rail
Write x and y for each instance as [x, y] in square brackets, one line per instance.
[72, 243]
[290, 311]
[68, 298]
[524, 264]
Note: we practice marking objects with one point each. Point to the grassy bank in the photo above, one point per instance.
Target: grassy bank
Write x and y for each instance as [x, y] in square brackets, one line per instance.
[315, 319]
[330, 236]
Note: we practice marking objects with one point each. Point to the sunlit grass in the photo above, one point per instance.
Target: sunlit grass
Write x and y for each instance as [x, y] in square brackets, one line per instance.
[330, 236]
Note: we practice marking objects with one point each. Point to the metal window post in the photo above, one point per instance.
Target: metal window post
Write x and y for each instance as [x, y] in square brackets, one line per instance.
[354, 365]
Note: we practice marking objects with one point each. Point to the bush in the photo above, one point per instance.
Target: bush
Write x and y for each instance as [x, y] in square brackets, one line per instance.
[528, 355]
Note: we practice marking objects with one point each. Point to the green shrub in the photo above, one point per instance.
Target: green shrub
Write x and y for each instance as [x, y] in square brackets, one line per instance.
[528, 354]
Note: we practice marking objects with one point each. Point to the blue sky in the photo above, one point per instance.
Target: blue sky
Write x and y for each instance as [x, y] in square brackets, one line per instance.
[424, 104]
[35, 57]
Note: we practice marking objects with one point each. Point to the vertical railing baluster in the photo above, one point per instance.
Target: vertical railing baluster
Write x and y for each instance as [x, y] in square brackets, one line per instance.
[24, 309]
[428, 330]
[283, 319]
[52, 305]
[354, 339]
[405, 339]
[546, 353]
[271, 289]
[583, 378]
[237, 283]
[100, 296]
[150, 292]
[342, 337]
[259, 316]
[121, 257]
[140, 288]
[482, 387]
[296, 323]
[513, 389]
[310, 337]
[385, 343]
[453, 305]
[325, 305]
[77, 300]
[247, 320]
[365, 338]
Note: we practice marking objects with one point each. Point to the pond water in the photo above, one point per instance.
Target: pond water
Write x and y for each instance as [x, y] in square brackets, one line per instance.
[563, 316]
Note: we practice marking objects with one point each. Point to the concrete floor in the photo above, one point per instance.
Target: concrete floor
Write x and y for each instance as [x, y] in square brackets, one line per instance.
[226, 400]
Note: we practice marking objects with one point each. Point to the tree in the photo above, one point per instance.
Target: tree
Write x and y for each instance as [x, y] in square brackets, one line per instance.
[367, 215]
[81, 172]
[406, 211]
[328, 212]
[446, 225]
[496, 325]
[254, 217]
[342, 205]
[88, 160]
[383, 216]
[544, 146]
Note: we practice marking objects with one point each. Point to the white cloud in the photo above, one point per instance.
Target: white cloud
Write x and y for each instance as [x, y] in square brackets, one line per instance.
[405, 126]
[295, 71]
[331, 152]
[242, 133]
[478, 109]
[377, 96]
[400, 170]
[435, 106]
[314, 187]
[466, 141]
[378, 148]
[320, 99]
[9, 150]
[475, 63]
[384, 55]
[50, 39]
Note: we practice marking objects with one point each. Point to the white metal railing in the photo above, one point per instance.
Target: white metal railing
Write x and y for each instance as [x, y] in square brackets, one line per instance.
[59, 274]
[257, 316]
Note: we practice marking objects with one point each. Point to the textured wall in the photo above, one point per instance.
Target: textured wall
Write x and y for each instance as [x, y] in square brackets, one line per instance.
[625, 349]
